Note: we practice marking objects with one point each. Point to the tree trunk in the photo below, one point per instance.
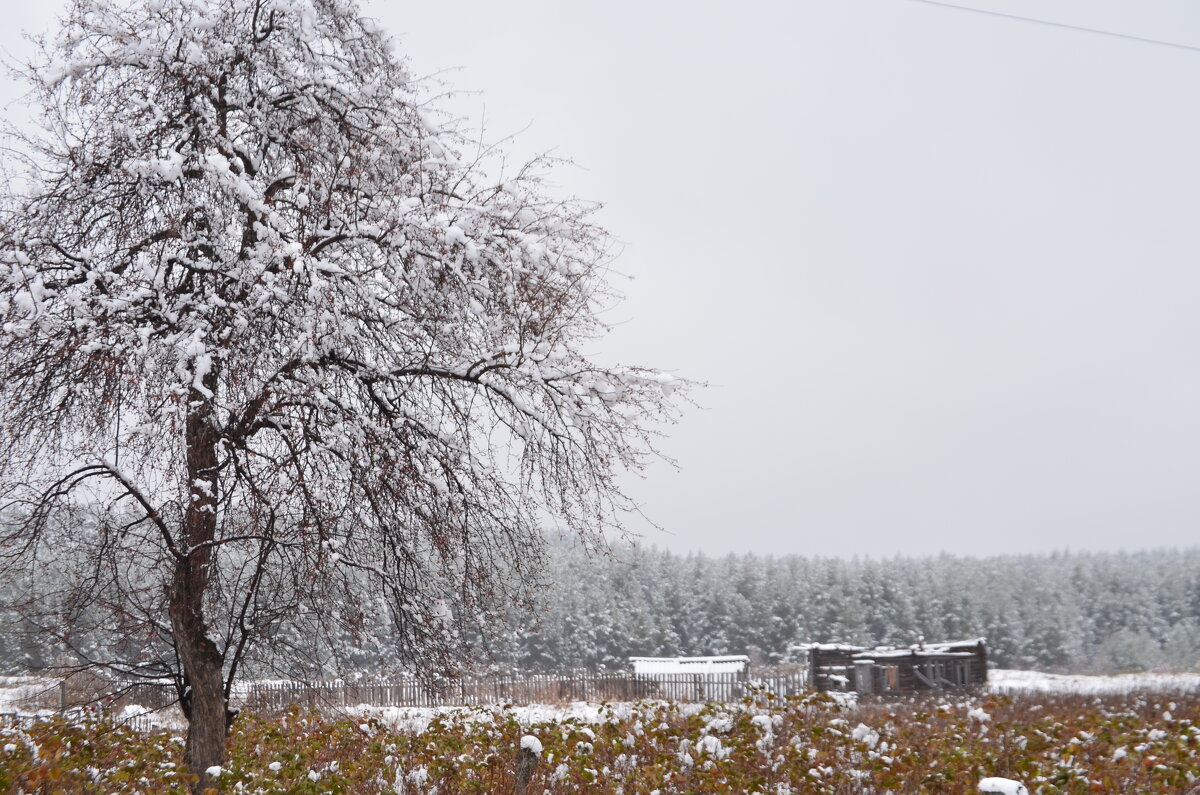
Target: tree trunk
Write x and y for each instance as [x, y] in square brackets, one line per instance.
[202, 671]
[202, 661]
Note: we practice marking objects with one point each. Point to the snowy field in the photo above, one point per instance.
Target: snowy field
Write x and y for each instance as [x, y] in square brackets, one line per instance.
[1006, 681]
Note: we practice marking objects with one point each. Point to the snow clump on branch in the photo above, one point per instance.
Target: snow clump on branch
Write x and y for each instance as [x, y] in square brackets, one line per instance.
[312, 366]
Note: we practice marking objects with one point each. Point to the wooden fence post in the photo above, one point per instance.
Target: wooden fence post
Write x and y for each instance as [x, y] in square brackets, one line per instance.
[527, 759]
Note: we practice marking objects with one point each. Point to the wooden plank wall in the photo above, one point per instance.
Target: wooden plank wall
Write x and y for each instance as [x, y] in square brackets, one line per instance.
[827, 665]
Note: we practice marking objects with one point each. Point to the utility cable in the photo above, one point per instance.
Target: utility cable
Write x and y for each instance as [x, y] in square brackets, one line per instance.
[1060, 25]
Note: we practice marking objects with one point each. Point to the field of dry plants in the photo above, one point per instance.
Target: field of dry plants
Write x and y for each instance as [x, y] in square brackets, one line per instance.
[1132, 743]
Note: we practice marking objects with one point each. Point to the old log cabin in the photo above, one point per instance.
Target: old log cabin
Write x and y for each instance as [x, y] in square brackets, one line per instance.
[954, 665]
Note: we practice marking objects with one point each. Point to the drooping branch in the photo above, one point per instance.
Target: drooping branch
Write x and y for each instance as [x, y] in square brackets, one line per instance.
[342, 365]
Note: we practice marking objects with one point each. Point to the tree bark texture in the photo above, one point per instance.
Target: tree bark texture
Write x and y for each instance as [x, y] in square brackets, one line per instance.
[205, 704]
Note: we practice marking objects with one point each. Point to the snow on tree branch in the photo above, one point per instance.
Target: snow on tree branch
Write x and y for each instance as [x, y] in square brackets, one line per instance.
[253, 283]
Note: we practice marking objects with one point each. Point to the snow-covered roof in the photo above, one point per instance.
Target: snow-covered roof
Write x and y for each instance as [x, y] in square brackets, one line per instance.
[951, 648]
[885, 654]
[825, 647]
[946, 644]
[689, 665]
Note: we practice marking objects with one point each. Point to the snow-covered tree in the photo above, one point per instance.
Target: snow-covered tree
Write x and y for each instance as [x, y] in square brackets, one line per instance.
[300, 358]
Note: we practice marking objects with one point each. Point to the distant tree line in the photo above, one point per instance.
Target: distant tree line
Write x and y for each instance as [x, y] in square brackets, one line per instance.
[1083, 612]
[1080, 612]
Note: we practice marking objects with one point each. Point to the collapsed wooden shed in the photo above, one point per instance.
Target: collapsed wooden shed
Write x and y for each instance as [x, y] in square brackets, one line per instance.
[953, 665]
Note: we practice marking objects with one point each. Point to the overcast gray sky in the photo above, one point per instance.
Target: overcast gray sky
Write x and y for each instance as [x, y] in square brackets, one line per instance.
[939, 267]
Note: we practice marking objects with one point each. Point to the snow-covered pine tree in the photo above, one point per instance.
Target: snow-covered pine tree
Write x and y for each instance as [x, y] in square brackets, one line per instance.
[300, 358]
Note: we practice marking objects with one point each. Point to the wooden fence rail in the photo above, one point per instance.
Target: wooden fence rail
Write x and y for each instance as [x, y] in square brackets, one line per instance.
[514, 689]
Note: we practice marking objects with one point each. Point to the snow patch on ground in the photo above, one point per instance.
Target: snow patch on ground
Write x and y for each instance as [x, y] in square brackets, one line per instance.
[17, 691]
[1005, 786]
[417, 719]
[1001, 680]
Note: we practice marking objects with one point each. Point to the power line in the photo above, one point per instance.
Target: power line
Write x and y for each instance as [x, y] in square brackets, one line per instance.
[1060, 25]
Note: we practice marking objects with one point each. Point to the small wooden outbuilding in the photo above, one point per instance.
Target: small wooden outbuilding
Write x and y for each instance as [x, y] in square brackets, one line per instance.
[952, 665]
